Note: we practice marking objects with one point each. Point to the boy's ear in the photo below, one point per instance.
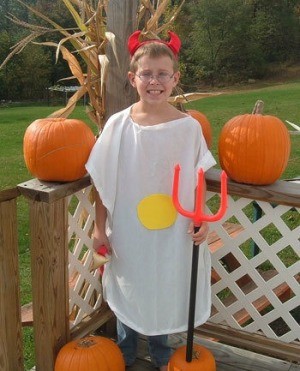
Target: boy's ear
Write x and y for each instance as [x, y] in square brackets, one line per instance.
[131, 78]
[176, 78]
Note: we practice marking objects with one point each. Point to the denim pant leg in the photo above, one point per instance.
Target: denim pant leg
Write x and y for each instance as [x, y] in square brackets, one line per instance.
[159, 350]
[127, 341]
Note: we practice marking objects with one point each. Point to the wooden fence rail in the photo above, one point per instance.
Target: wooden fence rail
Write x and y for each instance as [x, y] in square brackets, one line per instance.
[49, 248]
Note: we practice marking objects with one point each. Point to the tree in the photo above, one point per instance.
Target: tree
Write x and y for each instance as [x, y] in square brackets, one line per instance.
[27, 76]
[16, 78]
[275, 29]
[229, 41]
[213, 49]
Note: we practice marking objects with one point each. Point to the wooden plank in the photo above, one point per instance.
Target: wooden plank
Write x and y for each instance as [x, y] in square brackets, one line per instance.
[254, 342]
[27, 315]
[95, 320]
[38, 190]
[9, 194]
[214, 240]
[240, 359]
[141, 365]
[11, 347]
[227, 357]
[280, 192]
[49, 266]
[294, 367]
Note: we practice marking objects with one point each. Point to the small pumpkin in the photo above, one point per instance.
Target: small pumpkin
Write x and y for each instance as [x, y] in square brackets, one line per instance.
[205, 125]
[202, 360]
[57, 149]
[91, 353]
[254, 148]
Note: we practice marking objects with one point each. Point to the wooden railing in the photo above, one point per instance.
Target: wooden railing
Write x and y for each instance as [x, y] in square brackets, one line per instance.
[52, 232]
[11, 349]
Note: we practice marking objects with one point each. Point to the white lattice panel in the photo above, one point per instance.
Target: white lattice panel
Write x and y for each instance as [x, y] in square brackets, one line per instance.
[85, 288]
[255, 292]
[258, 292]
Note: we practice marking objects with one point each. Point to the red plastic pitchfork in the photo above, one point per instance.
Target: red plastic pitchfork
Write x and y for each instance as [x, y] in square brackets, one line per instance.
[197, 216]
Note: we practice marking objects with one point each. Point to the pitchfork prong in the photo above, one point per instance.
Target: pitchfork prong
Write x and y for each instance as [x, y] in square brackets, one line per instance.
[198, 215]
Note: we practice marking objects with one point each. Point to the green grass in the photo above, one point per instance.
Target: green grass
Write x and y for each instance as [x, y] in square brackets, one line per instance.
[280, 100]
[13, 123]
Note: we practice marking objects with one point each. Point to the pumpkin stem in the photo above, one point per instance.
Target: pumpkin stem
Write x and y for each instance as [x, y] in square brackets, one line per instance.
[258, 108]
[86, 342]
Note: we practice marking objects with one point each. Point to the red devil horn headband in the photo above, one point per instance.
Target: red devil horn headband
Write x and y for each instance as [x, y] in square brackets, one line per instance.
[134, 43]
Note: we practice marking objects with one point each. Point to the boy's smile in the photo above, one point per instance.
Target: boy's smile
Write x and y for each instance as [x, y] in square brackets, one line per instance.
[155, 92]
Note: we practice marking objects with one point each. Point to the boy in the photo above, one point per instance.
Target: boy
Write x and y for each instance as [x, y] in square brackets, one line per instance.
[147, 279]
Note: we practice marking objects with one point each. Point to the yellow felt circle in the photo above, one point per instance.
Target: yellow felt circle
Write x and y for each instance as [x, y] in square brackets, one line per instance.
[156, 211]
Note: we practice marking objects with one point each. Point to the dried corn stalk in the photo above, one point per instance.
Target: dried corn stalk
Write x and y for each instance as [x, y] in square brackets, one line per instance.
[87, 41]
[156, 17]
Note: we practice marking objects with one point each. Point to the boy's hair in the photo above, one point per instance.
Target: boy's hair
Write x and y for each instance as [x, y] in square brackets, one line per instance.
[152, 50]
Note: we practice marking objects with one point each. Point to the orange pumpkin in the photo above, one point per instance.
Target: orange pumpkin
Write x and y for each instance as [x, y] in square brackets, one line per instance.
[205, 125]
[91, 353]
[56, 149]
[253, 148]
[202, 360]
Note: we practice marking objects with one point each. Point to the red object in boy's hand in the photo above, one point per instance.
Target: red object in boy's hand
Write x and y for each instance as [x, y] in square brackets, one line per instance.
[102, 250]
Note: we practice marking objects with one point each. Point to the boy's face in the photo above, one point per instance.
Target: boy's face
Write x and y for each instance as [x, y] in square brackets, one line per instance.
[154, 79]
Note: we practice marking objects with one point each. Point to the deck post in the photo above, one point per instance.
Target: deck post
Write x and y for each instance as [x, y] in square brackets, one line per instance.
[48, 217]
[11, 348]
[122, 21]
[49, 265]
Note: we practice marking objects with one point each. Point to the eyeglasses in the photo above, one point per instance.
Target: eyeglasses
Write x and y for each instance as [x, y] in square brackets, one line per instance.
[162, 77]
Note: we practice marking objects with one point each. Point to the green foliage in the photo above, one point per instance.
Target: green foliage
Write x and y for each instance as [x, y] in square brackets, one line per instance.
[30, 72]
[223, 42]
[27, 76]
[275, 28]
[229, 41]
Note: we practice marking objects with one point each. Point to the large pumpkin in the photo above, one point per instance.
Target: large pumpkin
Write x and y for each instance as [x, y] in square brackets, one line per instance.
[205, 125]
[91, 353]
[56, 149]
[253, 148]
[202, 360]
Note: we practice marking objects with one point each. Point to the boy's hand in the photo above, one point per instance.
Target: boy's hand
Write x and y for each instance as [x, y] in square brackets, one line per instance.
[101, 240]
[199, 236]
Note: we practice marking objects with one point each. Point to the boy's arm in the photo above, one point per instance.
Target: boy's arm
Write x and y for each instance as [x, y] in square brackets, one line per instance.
[100, 237]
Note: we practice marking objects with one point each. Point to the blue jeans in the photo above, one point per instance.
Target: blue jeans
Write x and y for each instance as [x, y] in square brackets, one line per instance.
[159, 349]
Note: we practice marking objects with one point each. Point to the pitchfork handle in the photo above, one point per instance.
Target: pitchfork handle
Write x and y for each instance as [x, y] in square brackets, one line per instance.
[193, 288]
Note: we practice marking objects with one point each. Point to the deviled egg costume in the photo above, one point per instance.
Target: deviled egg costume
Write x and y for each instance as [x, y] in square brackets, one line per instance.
[146, 282]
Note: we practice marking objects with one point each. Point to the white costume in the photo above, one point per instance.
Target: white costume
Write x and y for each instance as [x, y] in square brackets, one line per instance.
[147, 281]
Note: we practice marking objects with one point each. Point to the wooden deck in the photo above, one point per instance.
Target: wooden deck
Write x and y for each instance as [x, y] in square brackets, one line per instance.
[227, 358]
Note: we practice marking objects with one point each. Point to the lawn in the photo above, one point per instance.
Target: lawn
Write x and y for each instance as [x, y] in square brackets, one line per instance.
[280, 100]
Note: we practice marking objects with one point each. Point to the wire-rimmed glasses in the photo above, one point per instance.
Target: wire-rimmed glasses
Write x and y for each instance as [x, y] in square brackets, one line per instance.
[162, 77]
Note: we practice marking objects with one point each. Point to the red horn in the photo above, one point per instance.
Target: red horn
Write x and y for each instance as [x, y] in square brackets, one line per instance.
[134, 42]
[174, 44]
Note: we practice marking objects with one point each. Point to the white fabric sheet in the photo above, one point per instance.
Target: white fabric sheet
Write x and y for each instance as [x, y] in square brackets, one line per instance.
[146, 283]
